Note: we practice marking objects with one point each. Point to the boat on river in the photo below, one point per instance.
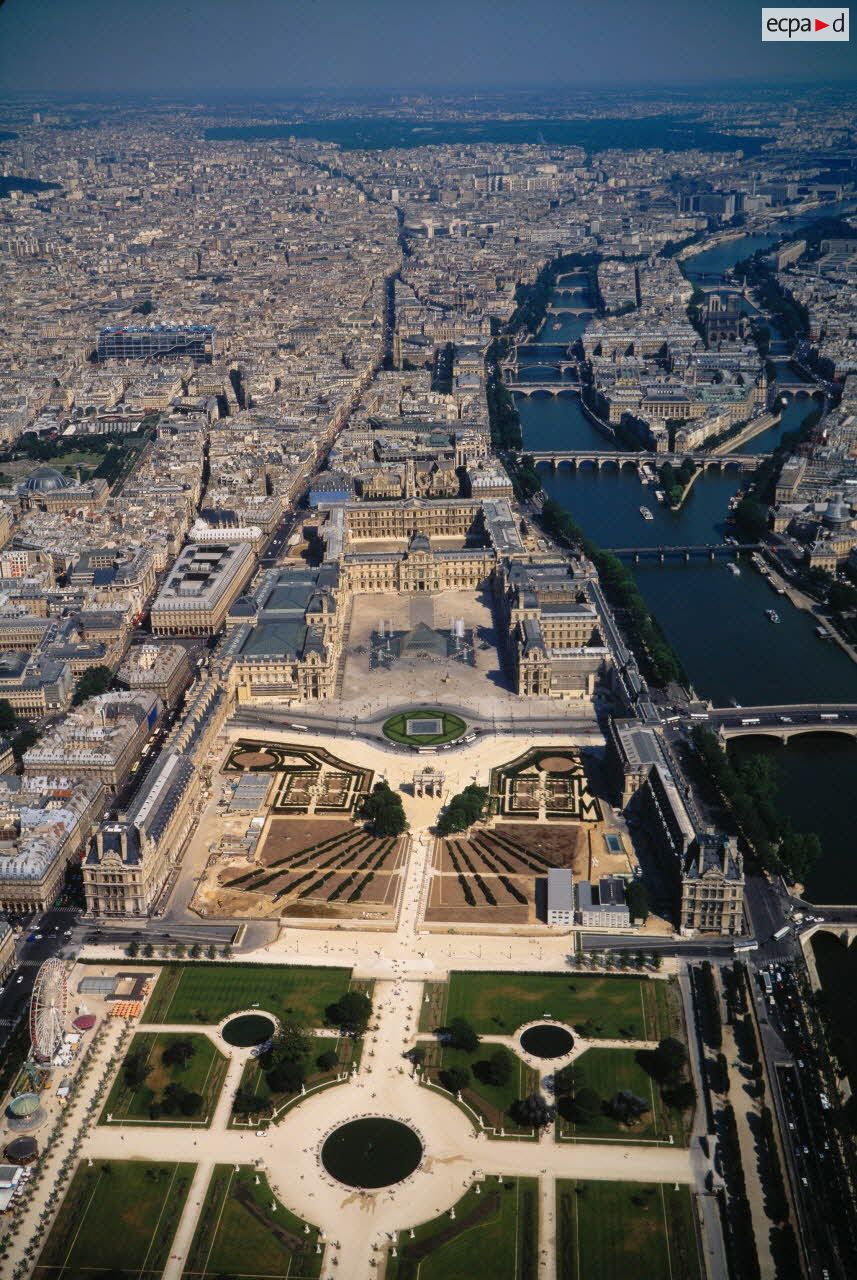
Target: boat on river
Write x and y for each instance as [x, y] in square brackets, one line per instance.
[646, 513]
[660, 495]
[772, 615]
[733, 568]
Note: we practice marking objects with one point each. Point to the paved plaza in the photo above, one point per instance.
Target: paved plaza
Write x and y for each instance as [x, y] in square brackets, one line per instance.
[422, 677]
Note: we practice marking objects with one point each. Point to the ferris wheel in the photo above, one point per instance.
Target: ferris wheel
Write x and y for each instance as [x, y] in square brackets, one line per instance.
[48, 1008]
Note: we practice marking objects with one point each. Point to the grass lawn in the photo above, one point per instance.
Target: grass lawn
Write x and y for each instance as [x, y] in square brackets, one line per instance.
[204, 1074]
[239, 1234]
[253, 1077]
[493, 1234]
[498, 1003]
[611, 1230]
[396, 728]
[491, 1100]
[207, 993]
[117, 1216]
[607, 1071]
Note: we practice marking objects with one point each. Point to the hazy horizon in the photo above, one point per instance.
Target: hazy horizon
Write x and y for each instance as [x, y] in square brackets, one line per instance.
[270, 47]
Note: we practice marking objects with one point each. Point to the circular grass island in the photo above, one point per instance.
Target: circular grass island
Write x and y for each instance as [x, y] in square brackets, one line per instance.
[248, 1030]
[423, 727]
[547, 1040]
[371, 1152]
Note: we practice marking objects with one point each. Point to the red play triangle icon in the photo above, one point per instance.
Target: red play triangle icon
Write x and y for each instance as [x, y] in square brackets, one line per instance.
[819, 25]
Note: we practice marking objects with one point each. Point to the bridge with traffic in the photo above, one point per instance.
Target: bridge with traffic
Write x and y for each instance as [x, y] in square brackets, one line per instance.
[786, 721]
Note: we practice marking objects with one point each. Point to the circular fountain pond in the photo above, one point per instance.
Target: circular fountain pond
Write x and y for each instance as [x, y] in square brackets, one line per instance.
[371, 1152]
[547, 1040]
[248, 1029]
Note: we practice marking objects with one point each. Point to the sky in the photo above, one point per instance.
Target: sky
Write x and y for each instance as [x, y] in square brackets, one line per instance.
[213, 47]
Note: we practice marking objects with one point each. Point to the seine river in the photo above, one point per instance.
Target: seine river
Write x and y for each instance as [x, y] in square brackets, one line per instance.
[715, 619]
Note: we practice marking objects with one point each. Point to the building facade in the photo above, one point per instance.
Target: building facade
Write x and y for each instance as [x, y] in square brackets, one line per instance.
[199, 589]
[150, 342]
[712, 886]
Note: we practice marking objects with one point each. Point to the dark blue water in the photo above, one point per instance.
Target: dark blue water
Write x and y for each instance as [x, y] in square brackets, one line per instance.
[715, 619]
[717, 624]
[607, 503]
[816, 775]
[722, 257]
[792, 415]
[558, 422]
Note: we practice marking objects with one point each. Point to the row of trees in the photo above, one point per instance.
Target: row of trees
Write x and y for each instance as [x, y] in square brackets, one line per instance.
[533, 299]
[750, 790]
[179, 950]
[675, 481]
[653, 649]
[751, 517]
[525, 478]
[26, 736]
[503, 418]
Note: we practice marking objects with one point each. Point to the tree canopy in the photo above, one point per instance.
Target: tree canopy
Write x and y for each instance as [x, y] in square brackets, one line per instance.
[463, 810]
[534, 1111]
[455, 1078]
[499, 1067]
[178, 1053]
[461, 1035]
[586, 1105]
[351, 1013]
[637, 900]
[94, 681]
[668, 1061]
[385, 810]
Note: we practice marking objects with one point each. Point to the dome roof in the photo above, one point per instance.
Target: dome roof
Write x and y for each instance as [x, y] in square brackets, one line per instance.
[244, 607]
[25, 1104]
[22, 1150]
[838, 513]
[45, 480]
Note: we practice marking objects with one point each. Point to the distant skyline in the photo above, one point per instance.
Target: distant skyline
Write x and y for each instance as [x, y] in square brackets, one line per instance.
[214, 47]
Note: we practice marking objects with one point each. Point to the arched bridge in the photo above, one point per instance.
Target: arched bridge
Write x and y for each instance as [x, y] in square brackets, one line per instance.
[571, 309]
[785, 722]
[551, 357]
[554, 388]
[779, 391]
[614, 457]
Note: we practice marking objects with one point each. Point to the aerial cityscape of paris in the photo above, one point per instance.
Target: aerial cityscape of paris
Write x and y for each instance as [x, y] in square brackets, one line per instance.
[428, 641]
